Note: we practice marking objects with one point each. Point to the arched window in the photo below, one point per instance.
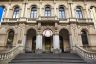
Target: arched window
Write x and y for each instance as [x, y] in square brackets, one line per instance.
[10, 38]
[84, 38]
[33, 12]
[2, 12]
[92, 12]
[16, 12]
[61, 12]
[79, 12]
[47, 10]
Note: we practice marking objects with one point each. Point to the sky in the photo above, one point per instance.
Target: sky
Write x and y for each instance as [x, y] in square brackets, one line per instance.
[1, 11]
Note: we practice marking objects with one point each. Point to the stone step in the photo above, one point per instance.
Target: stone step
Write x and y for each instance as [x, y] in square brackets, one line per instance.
[48, 56]
[49, 60]
[46, 63]
[51, 54]
[29, 58]
[66, 58]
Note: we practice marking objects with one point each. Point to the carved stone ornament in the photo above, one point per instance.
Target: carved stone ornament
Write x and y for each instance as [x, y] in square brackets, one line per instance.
[47, 33]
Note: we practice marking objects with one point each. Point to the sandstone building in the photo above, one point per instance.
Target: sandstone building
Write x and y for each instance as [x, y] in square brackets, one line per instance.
[48, 26]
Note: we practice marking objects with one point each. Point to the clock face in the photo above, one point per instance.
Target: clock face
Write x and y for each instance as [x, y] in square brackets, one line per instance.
[47, 33]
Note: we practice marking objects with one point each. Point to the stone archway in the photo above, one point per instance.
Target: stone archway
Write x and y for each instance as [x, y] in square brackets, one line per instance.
[64, 40]
[47, 40]
[84, 37]
[10, 38]
[30, 45]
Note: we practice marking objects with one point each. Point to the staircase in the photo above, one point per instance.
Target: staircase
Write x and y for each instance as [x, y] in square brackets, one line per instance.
[44, 58]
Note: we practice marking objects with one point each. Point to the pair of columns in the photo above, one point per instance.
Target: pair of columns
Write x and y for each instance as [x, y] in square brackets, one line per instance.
[56, 45]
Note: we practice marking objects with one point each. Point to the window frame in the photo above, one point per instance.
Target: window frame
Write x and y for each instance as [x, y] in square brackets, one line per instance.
[47, 11]
[33, 13]
[3, 13]
[16, 12]
[62, 12]
[79, 12]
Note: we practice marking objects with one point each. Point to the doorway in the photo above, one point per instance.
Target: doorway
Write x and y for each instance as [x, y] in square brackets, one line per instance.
[64, 40]
[48, 44]
[10, 39]
[30, 45]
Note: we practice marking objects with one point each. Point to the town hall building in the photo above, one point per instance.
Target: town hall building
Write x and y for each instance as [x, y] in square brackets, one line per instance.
[48, 26]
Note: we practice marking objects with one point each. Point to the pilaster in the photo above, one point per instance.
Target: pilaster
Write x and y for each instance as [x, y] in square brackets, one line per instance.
[56, 43]
[73, 36]
[38, 43]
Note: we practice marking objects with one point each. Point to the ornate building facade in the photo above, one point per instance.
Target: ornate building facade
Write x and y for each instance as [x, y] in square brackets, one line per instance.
[48, 25]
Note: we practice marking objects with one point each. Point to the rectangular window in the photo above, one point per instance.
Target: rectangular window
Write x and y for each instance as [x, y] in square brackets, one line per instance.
[61, 14]
[33, 14]
[79, 14]
[16, 15]
[47, 13]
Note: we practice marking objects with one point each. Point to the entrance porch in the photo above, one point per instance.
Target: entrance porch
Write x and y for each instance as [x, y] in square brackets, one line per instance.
[47, 42]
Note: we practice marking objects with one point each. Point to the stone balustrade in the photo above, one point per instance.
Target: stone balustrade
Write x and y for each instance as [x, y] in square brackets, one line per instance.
[83, 20]
[88, 56]
[11, 19]
[6, 57]
[48, 19]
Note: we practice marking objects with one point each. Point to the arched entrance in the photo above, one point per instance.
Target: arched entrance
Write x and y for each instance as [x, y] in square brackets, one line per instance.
[10, 38]
[47, 40]
[30, 41]
[84, 38]
[64, 40]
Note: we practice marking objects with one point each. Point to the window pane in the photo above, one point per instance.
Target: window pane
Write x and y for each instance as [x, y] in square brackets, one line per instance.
[79, 13]
[1, 12]
[61, 12]
[47, 11]
[16, 13]
[34, 12]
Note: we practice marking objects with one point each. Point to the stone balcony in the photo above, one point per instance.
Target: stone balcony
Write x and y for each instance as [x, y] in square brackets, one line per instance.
[11, 19]
[48, 19]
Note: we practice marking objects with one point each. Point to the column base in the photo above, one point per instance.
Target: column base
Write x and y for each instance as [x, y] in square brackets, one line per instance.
[38, 51]
[56, 51]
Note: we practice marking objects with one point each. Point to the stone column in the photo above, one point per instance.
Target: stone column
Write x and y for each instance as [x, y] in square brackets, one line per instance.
[24, 43]
[24, 40]
[56, 43]
[39, 43]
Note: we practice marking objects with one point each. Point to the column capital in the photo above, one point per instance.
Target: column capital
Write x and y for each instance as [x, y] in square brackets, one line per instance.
[56, 33]
[39, 25]
[39, 32]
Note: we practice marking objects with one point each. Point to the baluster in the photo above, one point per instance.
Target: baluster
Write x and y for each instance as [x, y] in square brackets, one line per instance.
[5, 56]
[94, 56]
[1, 56]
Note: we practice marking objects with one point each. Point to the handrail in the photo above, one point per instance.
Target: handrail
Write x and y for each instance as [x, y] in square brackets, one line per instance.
[85, 50]
[88, 56]
[11, 19]
[11, 53]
